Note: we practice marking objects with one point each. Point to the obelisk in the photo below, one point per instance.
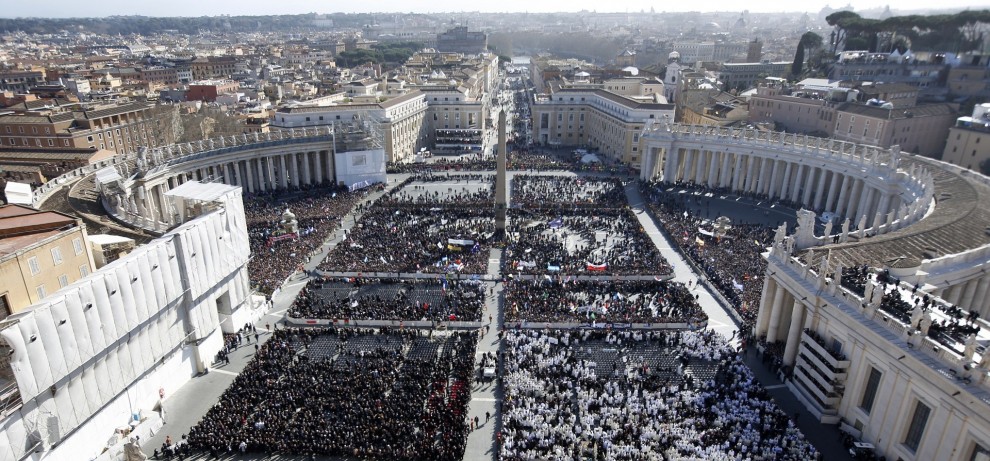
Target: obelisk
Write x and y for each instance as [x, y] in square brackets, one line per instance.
[500, 198]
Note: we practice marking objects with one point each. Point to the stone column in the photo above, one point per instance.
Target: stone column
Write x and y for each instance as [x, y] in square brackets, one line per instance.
[981, 296]
[821, 177]
[330, 176]
[688, 165]
[953, 293]
[670, 165]
[794, 334]
[764, 173]
[884, 206]
[766, 305]
[318, 167]
[294, 161]
[700, 165]
[866, 204]
[840, 204]
[771, 189]
[714, 170]
[800, 180]
[786, 183]
[725, 172]
[248, 174]
[773, 330]
[306, 178]
[969, 293]
[737, 172]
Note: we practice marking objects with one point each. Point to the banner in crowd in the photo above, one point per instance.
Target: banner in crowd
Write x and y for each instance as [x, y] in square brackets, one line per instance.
[556, 223]
[738, 286]
[705, 232]
[525, 264]
[596, 267]
[553, 268]
[279, 238]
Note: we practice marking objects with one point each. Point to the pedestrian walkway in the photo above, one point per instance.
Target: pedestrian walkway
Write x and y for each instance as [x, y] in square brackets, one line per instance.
[719, 318]
[186, 407]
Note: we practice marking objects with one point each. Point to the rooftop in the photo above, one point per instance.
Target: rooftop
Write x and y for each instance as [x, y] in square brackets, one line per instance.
[958, 223]
[21, 227]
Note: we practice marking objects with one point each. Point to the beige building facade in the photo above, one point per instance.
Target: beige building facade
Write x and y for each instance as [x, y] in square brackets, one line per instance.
[40, 253]
[598, 119]
[968, 144]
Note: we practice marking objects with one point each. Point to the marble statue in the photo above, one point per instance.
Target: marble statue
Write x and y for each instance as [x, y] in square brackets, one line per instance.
[970, 349]
[916, 315]
[925, 323]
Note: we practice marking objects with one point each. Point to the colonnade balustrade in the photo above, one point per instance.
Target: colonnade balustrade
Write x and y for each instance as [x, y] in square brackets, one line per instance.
[256, 162]
[866, 190]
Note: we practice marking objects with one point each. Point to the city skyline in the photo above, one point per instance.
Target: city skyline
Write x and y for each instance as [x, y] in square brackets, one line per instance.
[189, 8]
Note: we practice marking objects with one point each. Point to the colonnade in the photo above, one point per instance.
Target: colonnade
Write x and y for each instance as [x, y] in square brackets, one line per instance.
[843, 190]
[782, 317]
[253, 171]
[970, 294]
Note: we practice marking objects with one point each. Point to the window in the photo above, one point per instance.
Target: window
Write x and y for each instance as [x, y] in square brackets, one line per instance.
[33, 265]
[41, 291]
[870, 394]
[979, 453]
[917, 428]
[83, 270]
[77, 245]
[57, 256]
[63, 281]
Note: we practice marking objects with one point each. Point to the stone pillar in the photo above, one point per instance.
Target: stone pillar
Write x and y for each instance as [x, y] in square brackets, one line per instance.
[737, 172]
[786, 183]
[866, 204]
[317, 167]
[670, 166]
[953, 293]
[771, 189]
[725, 172]
[821, 177]
[969, 293]
[688, 165]
[293, 160]
[330, 175]
[766, 305]
[840, 204]
[800, 180]
[699, 166]
[764, 173]
[884, 206]
[852, 200]
[773, 330]
[981, 297]
[794, 333]
[306, 178]
[248, 175]
[714, 170]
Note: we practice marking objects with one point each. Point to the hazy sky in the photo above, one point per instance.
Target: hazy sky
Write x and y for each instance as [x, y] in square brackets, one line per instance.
[75, 8]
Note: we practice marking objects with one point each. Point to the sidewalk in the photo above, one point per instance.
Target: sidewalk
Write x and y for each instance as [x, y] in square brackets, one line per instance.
[186, 407]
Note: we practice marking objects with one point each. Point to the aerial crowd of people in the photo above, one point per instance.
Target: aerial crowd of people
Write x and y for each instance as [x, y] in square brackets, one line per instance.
[602, 301]
[558, 404]
[572, 225]
[318, 212]
[354, 393]
[430, 232]
[731, 261]
[377, 299]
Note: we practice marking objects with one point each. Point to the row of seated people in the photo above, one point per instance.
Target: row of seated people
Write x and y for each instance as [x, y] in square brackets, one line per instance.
[369, 401]
[387, 299]
[558, 405]
[564, 300]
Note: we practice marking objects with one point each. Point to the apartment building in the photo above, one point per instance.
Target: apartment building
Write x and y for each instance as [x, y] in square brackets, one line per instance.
[20, 81]
[968, 143]
[919, 129]
[460, 40]
[213, 67]
[40, 253]
[118, 128]
[208, 90]
[402, 120]
[808, 107]
[596, 118]
[744, 75]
